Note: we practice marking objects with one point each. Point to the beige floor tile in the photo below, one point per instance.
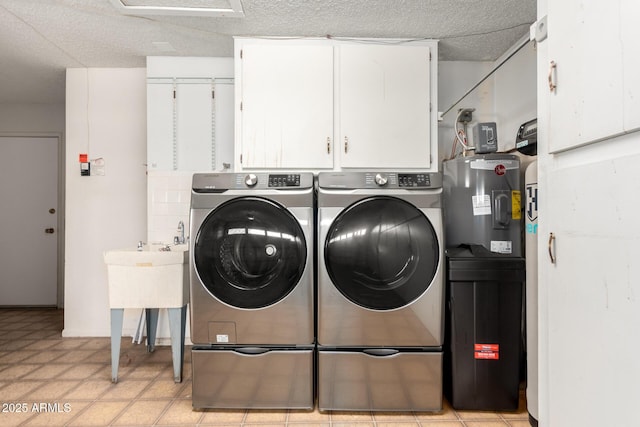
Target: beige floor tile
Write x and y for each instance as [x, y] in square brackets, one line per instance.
[88, 390]
[519, 423]
[43, 356]
[351, 424]
[15, 415]
[126, 389]
[13, 372]
[47, 419]
[51, 390]
[162, 389]
[144, 371]
[478, 415]
[351, 416]
[74, 356]
[18, 356]
[447, 413]
[99, 413]
[446, 423]
[18, 390]
[296, 416]
[226, 417]
[180, 413]
[43, 334]
[394, 417]
[397, 423]
[71, 343]
[46, 372]
[266, 416]
[11, 345]
[486, 423]
[142, 412]
[42, 345]
[78, 372]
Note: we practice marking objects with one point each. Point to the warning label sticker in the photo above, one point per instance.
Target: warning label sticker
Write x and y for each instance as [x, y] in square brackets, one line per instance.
[516, 202]
[487, 351]
[481, 204]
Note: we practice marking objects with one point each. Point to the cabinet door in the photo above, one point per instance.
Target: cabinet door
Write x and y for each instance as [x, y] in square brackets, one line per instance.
[597, 90]
[160, 124]
[385, 106]
[194, 124]
[589, 277]
[286, 106]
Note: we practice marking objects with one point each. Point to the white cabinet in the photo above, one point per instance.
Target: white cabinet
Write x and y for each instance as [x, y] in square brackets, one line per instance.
[589, 279]
[325, 104]
[384, 106]
[597, 91]
[188, 123]
[286, 106]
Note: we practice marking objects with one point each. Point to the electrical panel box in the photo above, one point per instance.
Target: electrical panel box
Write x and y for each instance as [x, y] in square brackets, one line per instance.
[485, 138]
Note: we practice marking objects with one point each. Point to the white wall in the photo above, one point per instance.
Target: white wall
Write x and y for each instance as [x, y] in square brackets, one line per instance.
[507, 97]
[105, 118]
[32, 118]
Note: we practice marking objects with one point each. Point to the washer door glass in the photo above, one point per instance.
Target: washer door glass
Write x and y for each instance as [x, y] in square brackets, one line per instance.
[381, 253]
[250, 252]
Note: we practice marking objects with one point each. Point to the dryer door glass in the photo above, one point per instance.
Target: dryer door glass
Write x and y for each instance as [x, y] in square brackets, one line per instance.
[250, 252]
[381, 253]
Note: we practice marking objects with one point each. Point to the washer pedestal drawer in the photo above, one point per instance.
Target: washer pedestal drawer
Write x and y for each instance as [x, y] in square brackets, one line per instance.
[252, 377]
[353, 380]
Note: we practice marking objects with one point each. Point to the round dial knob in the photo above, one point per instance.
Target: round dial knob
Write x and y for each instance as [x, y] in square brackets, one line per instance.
[381, 179]
[251, 180]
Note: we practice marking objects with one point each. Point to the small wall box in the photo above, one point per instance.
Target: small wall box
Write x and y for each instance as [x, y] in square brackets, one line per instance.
[485, 137]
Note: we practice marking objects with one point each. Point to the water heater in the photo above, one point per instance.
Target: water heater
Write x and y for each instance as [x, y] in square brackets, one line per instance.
[482, 202]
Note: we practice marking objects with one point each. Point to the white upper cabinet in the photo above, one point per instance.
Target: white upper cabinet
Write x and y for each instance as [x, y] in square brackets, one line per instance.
[286, 106]
[327, 104]
[384, 106]
[594, 93]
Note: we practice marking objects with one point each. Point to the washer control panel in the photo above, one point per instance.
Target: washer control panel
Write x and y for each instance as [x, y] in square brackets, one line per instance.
[221, 182]
[381, 180]
[284, 180]
[414, 180]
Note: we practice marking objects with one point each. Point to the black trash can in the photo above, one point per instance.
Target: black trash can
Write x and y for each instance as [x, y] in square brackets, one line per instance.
[483, 329]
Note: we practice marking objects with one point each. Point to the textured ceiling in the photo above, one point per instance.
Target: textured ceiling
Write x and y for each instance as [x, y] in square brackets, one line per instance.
[39, 39]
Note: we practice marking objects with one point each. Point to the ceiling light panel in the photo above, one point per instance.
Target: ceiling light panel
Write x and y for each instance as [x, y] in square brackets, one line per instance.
[209, 8]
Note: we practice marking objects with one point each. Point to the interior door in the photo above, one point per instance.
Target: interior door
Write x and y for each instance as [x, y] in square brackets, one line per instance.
[29, 225]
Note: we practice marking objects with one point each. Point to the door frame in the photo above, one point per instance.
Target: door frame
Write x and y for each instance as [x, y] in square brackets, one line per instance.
[61, 203]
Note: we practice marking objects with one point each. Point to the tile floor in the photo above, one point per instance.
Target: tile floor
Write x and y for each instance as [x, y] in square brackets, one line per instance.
[47, 380]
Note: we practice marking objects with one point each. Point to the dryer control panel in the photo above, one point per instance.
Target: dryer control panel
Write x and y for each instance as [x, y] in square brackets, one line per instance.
[381, 180]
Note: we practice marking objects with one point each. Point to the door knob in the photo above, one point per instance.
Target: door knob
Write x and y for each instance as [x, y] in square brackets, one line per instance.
[49, 230]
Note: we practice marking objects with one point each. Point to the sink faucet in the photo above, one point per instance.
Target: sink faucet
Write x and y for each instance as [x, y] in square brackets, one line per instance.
[180, 238]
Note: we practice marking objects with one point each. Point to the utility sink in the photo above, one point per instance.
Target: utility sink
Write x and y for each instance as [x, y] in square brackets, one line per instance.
[156, 276]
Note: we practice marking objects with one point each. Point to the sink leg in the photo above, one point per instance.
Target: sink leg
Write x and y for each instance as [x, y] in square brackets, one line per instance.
[116, 335]
[152, 326]
[177, 323]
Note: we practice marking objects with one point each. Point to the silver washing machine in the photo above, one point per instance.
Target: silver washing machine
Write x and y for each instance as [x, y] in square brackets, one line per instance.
[380, 291]
[252, 294]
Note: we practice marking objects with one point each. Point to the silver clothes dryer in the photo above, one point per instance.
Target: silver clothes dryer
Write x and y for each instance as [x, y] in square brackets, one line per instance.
[380, 291]
[252, 296]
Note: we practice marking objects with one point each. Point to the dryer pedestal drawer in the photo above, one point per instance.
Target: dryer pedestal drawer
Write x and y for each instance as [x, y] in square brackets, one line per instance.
[256, 378]
[356, 381]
